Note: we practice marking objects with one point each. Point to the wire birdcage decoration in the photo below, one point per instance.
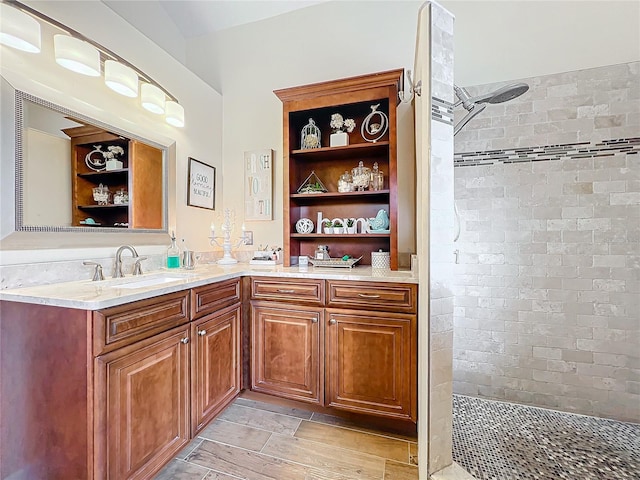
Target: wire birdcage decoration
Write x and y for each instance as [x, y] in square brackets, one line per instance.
[310, 136]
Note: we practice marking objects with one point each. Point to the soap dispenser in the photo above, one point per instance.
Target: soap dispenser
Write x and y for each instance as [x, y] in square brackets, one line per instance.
[173, 254]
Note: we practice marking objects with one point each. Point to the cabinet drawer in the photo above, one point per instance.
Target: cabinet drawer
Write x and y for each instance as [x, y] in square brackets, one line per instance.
[395, 297]
[122, 325]
[288, 290]
[210, 298]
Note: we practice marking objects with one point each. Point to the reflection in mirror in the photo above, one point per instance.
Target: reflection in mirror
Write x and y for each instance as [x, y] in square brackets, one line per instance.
[78, 174]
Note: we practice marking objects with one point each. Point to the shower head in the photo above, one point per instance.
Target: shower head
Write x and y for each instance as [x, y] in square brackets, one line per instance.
[503, 94]
[475, 105]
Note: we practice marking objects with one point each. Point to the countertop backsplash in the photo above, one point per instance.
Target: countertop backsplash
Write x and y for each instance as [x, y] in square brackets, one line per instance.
[46, 273]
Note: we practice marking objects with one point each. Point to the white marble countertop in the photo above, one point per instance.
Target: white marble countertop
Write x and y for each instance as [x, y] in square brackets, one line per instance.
[89, 295]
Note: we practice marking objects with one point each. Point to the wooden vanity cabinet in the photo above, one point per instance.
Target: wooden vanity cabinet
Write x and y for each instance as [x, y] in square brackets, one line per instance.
[286, 337]
[371, 348]
[360, 358]
[216, 363]
[142, 408]
[287, 351]
[141, 390]
[370, 363]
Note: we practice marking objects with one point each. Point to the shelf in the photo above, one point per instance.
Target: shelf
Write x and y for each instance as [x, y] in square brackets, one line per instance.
[102, 176]
[102, 207]
[340, 235]
[378, 148]
[352, 98]
[343, 195]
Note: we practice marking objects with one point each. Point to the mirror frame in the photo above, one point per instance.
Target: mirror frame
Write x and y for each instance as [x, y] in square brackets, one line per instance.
[20, 98]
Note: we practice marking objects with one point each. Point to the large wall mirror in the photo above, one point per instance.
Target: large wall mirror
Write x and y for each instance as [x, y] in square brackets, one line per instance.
[74, 173]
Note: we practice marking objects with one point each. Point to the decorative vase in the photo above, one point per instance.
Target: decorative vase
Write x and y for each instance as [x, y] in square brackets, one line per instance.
[351, 230]
[339, 139]
[328, 230]
[338, 230]
[113, 164]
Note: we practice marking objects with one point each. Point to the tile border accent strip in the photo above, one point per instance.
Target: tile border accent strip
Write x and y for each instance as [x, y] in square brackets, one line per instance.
[441, 111]
[605, 148]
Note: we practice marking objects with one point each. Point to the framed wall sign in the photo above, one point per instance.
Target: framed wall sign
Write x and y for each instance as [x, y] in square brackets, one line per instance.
[258, 185]
[201, 188]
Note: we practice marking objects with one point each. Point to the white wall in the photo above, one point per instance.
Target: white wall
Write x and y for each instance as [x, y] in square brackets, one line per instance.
[201, 138]
[504, 40]
[47, 171]
[323, 42]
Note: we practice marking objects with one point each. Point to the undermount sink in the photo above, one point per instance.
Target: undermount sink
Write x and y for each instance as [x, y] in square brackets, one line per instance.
[147, 281]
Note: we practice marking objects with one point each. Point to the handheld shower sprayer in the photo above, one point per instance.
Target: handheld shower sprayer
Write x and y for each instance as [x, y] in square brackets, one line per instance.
[475, 105]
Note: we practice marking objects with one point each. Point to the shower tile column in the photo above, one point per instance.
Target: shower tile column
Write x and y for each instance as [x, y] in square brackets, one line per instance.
[435, 219]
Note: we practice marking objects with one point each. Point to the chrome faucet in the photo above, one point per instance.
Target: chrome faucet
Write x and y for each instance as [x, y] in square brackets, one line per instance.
[117, 271]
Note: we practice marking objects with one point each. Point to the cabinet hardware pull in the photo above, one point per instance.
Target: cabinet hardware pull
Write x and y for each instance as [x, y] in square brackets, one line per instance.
[282, 290]
[202, 333]
[332, 321]
[364, 295]
[314, 320]
[184, 340]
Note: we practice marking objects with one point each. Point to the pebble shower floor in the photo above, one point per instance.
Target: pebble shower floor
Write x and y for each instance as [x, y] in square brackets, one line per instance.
[503, 441]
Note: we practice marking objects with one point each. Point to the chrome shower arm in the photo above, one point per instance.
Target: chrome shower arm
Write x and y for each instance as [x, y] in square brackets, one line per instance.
[468, 117]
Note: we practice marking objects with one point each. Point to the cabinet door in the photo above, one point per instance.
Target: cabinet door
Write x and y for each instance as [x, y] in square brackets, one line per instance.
[215, 365]
[286, 353]
[371, 363]
[142, 406]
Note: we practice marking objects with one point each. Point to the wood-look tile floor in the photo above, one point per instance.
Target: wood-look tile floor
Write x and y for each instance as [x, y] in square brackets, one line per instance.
[260, 441]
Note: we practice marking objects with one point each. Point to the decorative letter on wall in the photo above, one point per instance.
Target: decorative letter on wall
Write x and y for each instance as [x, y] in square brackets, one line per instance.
[258, 189]
[201, 191]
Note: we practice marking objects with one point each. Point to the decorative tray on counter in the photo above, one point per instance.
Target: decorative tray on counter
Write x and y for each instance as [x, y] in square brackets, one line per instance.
[334, 262]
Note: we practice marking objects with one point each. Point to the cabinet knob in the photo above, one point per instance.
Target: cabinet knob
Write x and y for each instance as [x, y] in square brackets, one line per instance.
[202, 333]
[184, 340]
[314, 320]
[332, 321]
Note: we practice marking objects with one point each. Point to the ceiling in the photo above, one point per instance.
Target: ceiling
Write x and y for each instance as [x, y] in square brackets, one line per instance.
[192, 18]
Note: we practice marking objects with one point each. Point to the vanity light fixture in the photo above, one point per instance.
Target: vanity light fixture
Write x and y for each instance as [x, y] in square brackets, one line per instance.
[175, 114]
[153, 98]
[121, 78]
[76, 55]
[19, 30]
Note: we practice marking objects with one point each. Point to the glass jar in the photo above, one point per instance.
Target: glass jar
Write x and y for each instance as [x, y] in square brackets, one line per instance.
[377, 178]
[345, 183]
[322, 253]
[121, 197]
[101, 194]
[361, 177]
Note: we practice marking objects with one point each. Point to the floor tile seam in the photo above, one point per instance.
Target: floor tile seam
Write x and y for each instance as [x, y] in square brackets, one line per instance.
[221, 442]
[269, 411]
[225, 473]
[286, 460]
[186, 454]
[545, 409]
[356, 429]
[373, 457]
[265, 444]
[250, 426]
[208, 470]
[233, 423]
[346, 449]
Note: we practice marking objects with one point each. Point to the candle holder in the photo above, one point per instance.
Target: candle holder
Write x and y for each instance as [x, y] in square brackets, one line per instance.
[227, 245]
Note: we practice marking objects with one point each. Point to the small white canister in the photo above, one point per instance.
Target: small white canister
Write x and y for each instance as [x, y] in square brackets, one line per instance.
[381, 260]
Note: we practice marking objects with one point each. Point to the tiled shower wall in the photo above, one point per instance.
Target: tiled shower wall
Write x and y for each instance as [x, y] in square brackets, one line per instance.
[547, 295]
